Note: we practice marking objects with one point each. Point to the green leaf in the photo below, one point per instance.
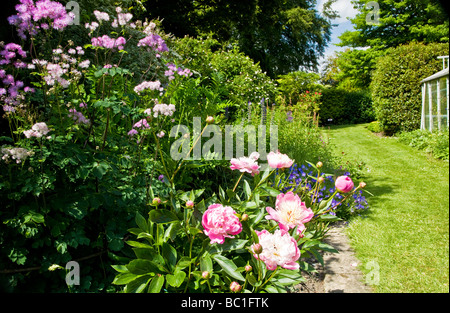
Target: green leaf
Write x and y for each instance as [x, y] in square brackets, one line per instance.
[329, 218]
[326, 247]
[184, 262]
[247, 190]
[148, 254]
[176, 279]
[138, 244]
[120, 268]
[124, 278]
[138, 285]
[229, 245]
[172, 231]
[162, 216]
[156, 284]
[206, 263]
[141, 222]
[170, 254]
[228, 266]
[100, 169]
[141, 267]
[269, 191]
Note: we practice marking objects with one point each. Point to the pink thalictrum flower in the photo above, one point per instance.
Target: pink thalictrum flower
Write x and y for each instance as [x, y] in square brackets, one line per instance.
[279, 160]
[220, 222]
[278, 249]
[344, 184]
[290, 212]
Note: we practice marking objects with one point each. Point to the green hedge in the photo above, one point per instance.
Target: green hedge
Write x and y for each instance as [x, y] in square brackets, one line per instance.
[345, 107]
[396, 91]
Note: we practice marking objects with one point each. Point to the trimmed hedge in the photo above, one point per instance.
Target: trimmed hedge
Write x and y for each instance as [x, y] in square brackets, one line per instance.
[345, 107]
[396, 91]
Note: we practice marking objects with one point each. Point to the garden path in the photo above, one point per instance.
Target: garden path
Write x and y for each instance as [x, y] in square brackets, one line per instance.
[340, 273]
[405, 231]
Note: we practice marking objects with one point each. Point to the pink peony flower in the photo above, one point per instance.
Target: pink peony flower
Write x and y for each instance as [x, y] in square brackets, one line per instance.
[290, 212]
[246, 165]
[279, 160]
[278, 249]
[220, 222]
[344, 184]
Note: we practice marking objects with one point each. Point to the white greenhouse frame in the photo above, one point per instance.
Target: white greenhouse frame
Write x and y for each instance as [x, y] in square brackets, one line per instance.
[435, 104]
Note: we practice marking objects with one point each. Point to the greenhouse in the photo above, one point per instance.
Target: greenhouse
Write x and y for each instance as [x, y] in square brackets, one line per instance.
[435, 102]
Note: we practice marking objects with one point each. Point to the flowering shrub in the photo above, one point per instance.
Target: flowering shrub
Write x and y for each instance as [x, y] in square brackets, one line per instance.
[85, 161]
[228, 242]
[80, 153]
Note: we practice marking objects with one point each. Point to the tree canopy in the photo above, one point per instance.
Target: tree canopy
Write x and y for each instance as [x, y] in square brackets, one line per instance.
[282, 35]
[394, 22]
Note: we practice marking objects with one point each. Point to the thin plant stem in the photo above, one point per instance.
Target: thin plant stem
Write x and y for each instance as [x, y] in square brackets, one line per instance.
[240, 177]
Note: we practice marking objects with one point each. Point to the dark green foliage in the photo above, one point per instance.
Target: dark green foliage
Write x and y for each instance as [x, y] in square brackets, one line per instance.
[281, 35]
[396, 88]
[345, 107]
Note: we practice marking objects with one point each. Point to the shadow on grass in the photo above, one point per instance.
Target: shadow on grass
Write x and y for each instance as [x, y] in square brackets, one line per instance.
[378, 188]
[332, 127]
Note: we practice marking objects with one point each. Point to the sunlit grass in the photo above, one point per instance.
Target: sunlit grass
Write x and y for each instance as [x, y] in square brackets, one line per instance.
[406, 230]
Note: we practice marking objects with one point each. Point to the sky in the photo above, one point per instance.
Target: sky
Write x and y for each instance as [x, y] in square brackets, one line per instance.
[345, 11]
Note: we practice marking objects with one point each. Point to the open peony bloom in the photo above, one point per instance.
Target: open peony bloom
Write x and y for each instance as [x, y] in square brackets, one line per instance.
[246, 165]
[220, 222]
[278, 249]
[279, 160]
[290, 212]
[344, 184]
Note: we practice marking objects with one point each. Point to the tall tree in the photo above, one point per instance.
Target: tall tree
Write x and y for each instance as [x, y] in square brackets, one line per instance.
[390, 23]
[283, 35]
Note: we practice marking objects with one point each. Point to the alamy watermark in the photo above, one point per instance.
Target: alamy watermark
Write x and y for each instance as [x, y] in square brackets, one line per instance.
[72, 273]
[373, 276]
[373, 17]
[221, 142]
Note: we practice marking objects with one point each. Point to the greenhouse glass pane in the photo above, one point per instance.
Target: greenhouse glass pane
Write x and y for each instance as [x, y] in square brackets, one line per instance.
[444, 107]
[427, 108]
[434, 111]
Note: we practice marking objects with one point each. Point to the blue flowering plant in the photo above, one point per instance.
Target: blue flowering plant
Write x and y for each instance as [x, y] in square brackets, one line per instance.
[307, 180]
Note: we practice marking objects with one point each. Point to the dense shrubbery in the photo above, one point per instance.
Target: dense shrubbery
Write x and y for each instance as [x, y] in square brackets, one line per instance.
[233, 78]
[345, 107]
[87, 158]
[395, 86]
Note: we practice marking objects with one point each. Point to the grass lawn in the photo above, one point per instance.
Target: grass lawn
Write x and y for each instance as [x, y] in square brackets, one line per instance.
[406, 230]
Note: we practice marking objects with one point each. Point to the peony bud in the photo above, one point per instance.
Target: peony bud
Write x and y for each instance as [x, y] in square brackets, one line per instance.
[319, 164]
[189, 204]
[244, 217]
[257, 248]
[248, 268]
[321, 180]
[344, 184]
[209, 120]
[235, 287]
[206, 275]
[156, 201]
[362, 185]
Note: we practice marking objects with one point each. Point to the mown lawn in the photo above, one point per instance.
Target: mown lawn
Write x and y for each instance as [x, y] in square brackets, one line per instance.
[406, 230]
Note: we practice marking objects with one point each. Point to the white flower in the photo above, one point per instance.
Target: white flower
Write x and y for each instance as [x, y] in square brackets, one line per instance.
[278, 249]
[84, 64]
[147, 85]
[101, 16]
